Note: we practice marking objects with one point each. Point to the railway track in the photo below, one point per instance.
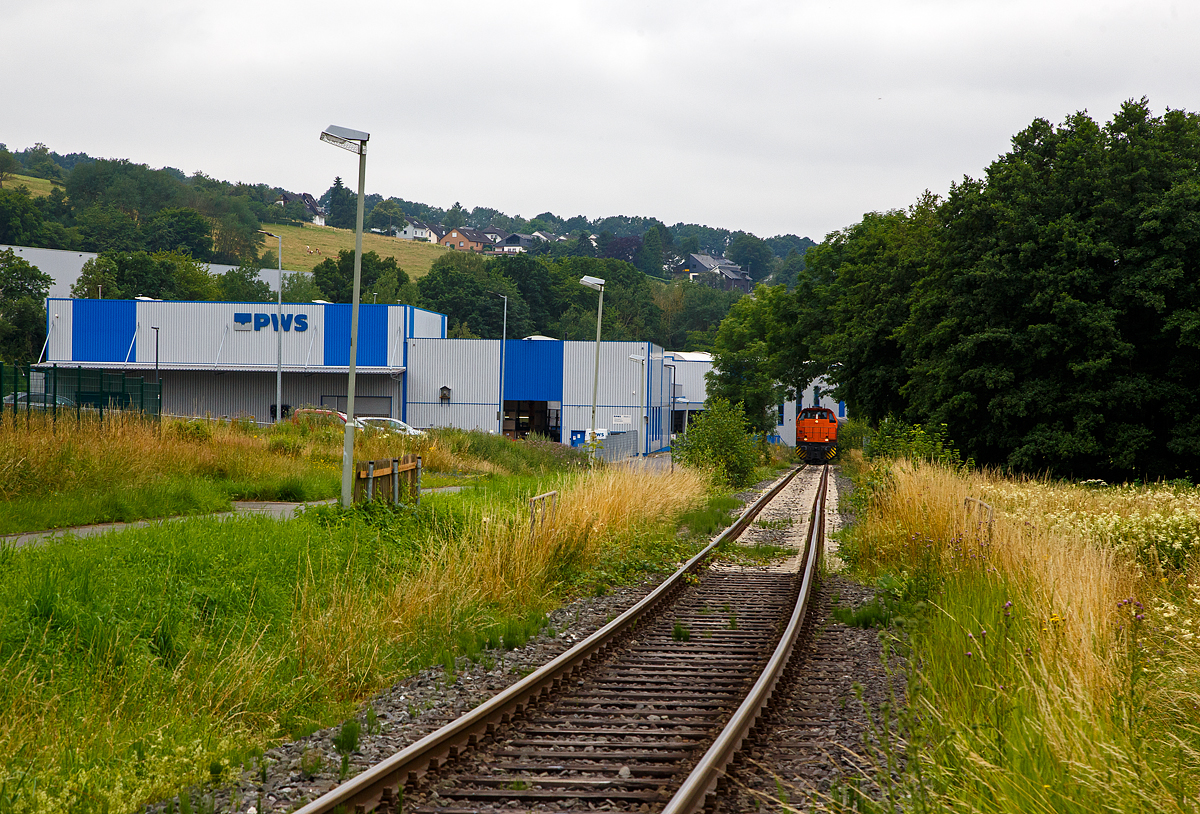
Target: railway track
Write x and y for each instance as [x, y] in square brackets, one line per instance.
[645, 715]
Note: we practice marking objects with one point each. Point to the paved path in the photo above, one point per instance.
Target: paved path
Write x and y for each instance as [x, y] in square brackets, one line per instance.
[280, 510]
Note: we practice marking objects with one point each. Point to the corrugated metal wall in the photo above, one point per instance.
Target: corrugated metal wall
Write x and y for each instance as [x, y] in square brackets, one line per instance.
[533, 370]
[469, 367]
[690, 376]
[242, 394]
[102, 330]
[206, 333]
[619, 388]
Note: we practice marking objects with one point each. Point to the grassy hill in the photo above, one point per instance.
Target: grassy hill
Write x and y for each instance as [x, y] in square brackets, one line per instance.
[38, 187]
[304, 247]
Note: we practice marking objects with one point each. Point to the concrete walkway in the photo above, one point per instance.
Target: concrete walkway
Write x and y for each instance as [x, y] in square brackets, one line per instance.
[280, 510]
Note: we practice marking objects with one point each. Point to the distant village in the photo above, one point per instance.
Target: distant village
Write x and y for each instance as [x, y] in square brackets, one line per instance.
[492, 241]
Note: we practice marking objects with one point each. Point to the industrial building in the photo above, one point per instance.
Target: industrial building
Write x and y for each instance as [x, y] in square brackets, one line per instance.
[219, 359]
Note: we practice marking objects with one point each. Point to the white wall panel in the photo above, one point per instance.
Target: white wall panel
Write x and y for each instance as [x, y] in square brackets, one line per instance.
[428, 324]
[60, 329]
[194, 333]
[238, 394]
[469, 367]
[690, 376]
[464, 416]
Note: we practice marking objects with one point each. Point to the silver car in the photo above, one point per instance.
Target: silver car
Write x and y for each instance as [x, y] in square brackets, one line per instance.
[392, 425]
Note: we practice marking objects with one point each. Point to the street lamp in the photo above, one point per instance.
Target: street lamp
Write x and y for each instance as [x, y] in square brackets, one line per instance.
[278, 332]
[356, 142]
[641, 399]
[155, 328]
[503, 351]
[671, 416]
[597, 284]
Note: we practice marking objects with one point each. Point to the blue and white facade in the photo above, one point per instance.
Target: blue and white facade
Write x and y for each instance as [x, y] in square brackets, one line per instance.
[547, 389]
[219, 358]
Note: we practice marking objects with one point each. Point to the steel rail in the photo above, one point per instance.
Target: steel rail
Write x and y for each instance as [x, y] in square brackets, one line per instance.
[379, 783]
[695, 790]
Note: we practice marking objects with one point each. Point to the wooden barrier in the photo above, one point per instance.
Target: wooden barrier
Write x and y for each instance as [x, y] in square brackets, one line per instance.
[381, 479]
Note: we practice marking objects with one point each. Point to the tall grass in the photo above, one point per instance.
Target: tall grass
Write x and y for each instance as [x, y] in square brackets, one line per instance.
[1054, 668]
[65, 473]
[130, 663]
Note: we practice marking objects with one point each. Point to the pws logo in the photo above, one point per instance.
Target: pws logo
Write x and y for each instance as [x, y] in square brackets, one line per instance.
[242, 321]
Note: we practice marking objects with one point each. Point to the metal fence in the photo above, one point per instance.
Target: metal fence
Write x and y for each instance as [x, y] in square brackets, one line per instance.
[618, 446]
[59, 392]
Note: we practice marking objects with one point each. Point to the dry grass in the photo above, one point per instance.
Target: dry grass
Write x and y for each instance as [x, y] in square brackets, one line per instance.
[497, 565]
[44, 456]
[1087, 695]
[300, 246]
[1061, 569]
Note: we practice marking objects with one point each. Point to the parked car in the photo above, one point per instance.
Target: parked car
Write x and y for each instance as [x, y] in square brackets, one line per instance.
[315, 415]
[38, 401]
[389, 425]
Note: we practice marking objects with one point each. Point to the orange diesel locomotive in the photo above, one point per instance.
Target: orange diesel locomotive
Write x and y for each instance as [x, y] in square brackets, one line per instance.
[816, 434]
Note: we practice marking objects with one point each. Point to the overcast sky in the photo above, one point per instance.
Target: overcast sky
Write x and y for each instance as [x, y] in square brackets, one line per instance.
[773, 117]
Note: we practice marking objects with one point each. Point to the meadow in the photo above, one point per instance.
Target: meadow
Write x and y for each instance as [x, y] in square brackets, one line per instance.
[38, 187]
[305, 247]
[1053, 659]
[136, 663]
[68, 473]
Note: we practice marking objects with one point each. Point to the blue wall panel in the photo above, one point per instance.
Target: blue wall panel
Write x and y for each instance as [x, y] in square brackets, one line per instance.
[533, 370]
[372, 335]
[101, 330]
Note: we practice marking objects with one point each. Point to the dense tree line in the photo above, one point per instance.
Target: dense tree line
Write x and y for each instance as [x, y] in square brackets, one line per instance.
[103, 205]
[1048, 313]
[545, 297]
[155, 231]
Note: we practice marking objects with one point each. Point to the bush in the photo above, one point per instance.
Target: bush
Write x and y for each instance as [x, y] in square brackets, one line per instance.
[719, 440]
[895, 439]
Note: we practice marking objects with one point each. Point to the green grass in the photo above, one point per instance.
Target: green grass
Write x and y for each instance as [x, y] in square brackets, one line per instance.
[132, 664]
[999, 713]
[710, 518]
[57, 476]
[38, 187]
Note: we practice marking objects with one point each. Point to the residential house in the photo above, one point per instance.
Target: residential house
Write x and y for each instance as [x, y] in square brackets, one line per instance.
[730, 275]
[495, 235]
[466, 239]
[416, 230]
[309, 202]
[516, 243]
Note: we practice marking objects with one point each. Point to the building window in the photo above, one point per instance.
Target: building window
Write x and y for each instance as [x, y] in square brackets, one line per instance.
[780, 414]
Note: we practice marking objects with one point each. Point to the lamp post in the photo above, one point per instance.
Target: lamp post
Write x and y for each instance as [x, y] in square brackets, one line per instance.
[597, 284]
[356, 142]
[641, 400]
[671, 415]
[278, 331]
[155, 328]
[503, 351]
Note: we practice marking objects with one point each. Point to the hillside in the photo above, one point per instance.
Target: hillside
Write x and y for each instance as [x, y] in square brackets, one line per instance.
[38, 187]
[304, 247]
[325, 241]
